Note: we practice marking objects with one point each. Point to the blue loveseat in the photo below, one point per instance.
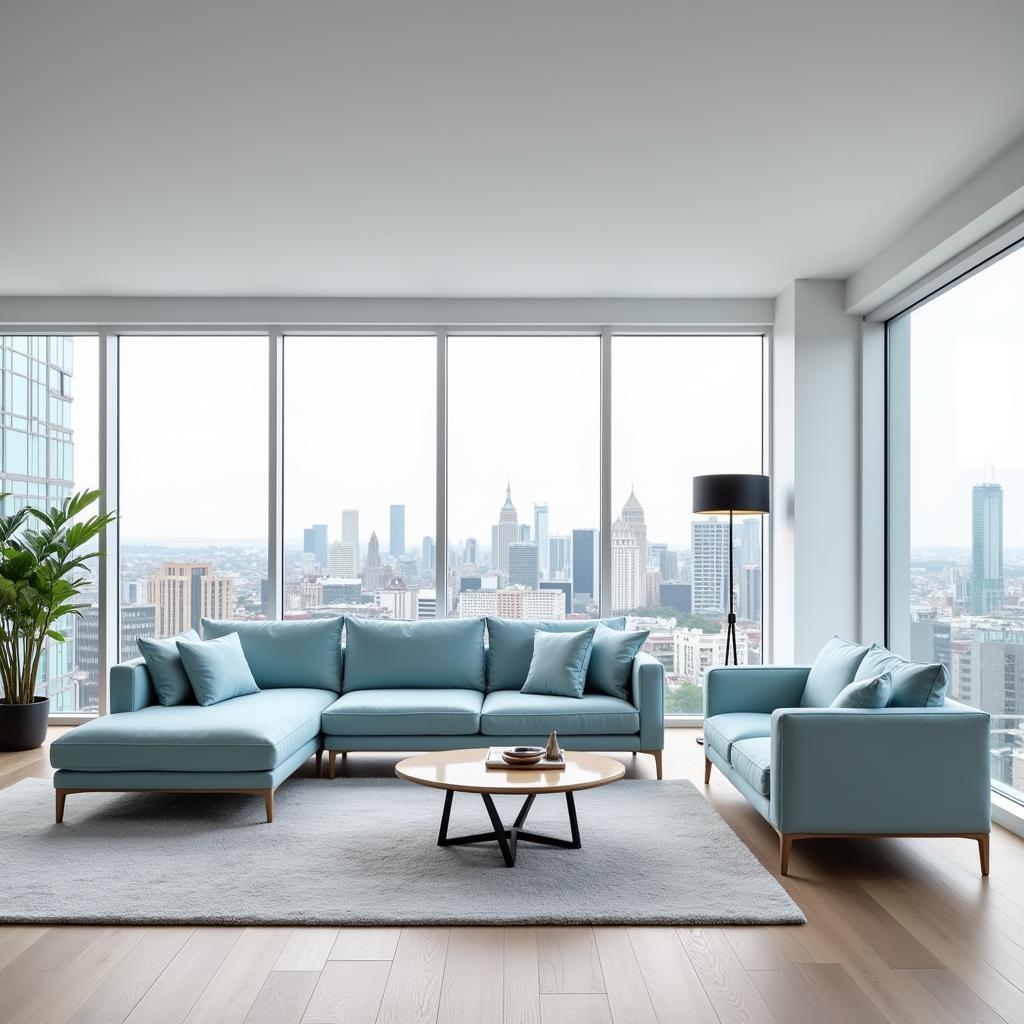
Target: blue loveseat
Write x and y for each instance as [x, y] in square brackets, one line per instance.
[917, 767]
[392, 686]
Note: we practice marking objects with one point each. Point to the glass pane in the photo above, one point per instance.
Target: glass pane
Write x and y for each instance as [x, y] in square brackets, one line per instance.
[194, 474]
[670, 569]
[359, 468]
[524, 476]
[960, 359]
[44, 468]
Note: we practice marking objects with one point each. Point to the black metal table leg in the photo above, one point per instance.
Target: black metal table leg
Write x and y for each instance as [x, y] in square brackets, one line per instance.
[509, 838]
[442, 836]
[506, 837]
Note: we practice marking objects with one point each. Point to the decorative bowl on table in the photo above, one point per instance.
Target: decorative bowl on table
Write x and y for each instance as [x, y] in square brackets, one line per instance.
[522, 755]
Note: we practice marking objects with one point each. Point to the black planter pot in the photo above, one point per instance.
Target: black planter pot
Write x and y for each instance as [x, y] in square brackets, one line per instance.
[23, 726]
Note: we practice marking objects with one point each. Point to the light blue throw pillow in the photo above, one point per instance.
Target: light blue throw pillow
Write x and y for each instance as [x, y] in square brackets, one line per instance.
[611, 660]
[833, 670]
[510, 645]
[168, 674]
[873, 693]
[217, 669]
[303, 652]
[558, 667]
[913, 685]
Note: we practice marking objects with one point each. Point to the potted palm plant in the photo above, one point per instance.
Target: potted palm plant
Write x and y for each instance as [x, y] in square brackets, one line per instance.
[42, 559]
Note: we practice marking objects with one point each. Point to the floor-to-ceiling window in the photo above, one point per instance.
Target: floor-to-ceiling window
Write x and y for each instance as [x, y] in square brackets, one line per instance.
[359, 476]
[684, 406]
[524, 465]
[956, 497]
[193, 467]
[524, 417]
[50, 450]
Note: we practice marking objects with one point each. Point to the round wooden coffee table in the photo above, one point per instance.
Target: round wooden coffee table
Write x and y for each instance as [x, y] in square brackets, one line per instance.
[464, 771]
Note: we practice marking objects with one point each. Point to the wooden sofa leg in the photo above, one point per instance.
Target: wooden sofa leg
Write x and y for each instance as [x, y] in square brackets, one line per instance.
[983, 846]
[656, 754]
[268, 800]
[61, 797]
[319, 762]
[707, 770]
[331, 763]
[785, 845]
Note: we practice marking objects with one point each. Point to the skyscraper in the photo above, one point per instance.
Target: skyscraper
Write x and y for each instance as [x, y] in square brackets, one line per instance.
[470, 555]
[986, 548]
[396, 538]
[710, 566]
[372, 571]
[38, 469]
[585, 555]
[343, 560]
[540, 537]
[350, 526]
[523, 565]
[185, 592]
[750, 541]
[314, 542]
[427, 554]
[503, 534]
[627, 592]
[559, 556]
[635, 521]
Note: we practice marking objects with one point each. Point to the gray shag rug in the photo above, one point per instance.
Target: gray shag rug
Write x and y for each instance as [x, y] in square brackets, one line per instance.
[363, 852]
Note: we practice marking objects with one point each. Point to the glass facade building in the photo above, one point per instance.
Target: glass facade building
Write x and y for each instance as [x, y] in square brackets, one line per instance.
[39, 470]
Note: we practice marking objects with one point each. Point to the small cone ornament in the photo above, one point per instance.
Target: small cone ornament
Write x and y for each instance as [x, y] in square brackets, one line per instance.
[553, 751]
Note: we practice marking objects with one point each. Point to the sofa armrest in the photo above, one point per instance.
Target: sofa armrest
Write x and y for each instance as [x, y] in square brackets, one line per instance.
[758, 689]
[890, 771]
[130, 686]
[648, 684]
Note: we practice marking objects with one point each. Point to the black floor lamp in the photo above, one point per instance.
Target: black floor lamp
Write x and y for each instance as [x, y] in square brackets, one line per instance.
[744, 494]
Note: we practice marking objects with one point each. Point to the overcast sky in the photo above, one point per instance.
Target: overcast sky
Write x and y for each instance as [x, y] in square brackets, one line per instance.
[360, 431]
[967, 374]
[360, 425]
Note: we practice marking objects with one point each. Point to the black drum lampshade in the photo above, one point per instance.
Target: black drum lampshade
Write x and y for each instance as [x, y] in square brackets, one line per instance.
[744, 494]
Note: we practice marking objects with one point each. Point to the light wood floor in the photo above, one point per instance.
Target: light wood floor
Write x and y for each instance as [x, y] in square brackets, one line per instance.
[898, 930]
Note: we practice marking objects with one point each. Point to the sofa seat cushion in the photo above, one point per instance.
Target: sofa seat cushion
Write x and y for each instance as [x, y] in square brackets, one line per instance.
[752, 761]
[252, 733]
[510, 713]
[395, 712]
[722, 731]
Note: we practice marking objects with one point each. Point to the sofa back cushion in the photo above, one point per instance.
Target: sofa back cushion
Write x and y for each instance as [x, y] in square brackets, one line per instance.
[510, 646]
[913, 685]
[833, 670]
[446, 654]
[304, 652]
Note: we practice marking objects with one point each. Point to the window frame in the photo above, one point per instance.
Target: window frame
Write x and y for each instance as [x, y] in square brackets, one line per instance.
[274, 333]
[896, 467]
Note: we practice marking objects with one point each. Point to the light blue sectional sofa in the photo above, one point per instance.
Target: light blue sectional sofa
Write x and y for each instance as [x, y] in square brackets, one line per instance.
[394, 686]
[916, 766]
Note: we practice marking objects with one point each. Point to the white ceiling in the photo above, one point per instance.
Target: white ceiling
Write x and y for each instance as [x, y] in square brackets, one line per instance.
[552, 148]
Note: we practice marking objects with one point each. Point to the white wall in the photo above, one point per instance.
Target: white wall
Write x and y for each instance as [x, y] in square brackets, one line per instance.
[816, 468]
